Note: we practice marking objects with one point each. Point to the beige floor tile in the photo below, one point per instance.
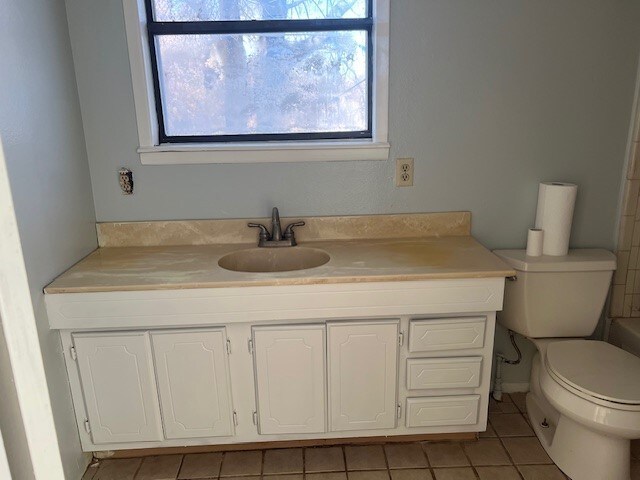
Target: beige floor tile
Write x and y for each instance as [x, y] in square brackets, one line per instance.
[370, 475]
[498, 473]
[454, 473]
[250, 477]
[368, 457]
[520, 400]
[405, 455]
[120, 469]
[286, 460]
[326, 476]
[488, 433]
[510, 425]
[445, 454]
[493, 405]
[159, 467]
[506, 405]
[411, 474]
[241, 463]
[324, 459]
[487, 451]
[541, 472]
[295, 476]
[200, 465]
[90, 472]
[508, 408]
[526, 450]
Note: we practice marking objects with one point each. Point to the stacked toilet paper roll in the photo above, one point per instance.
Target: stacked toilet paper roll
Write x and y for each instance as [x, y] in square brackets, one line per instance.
[535, 242]
[556, 202]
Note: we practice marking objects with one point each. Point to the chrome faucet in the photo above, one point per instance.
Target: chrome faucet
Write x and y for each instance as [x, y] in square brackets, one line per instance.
[276, 238]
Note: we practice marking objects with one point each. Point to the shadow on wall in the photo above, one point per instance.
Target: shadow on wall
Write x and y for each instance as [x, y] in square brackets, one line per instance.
[515, 378]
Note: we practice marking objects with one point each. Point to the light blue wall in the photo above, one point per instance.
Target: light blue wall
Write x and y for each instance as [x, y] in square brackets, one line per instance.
[42, 138]
[489, 96]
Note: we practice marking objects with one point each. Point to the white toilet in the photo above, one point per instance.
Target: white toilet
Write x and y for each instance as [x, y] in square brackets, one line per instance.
[584, 402]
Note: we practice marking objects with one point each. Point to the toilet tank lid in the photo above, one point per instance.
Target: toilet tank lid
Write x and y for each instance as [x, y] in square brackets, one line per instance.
[577, 260]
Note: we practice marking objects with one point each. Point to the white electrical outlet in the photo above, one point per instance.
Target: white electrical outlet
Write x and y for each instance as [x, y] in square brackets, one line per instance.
[404, 172]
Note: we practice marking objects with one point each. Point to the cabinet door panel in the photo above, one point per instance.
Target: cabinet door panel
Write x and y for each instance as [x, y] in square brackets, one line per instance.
[290, 379]
[193, 382]
[363, 360]
[116, 372]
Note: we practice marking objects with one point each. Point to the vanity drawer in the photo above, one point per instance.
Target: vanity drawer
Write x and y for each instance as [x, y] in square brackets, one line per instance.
[442, 411]
[446, 334]
[429, 373]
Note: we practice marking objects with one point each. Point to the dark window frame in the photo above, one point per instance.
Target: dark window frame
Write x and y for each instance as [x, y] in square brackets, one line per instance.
[158, 28]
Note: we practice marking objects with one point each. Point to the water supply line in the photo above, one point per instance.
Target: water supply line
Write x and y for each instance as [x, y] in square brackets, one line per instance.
[500, 360]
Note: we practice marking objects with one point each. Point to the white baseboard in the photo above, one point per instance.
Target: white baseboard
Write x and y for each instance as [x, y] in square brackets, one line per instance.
[515, 387]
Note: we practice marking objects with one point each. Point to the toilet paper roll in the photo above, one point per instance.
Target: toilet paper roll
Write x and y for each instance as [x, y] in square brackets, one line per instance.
[535, 240]
[556, 201]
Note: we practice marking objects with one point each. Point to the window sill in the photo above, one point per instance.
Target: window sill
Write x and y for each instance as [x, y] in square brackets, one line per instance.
[264, 152]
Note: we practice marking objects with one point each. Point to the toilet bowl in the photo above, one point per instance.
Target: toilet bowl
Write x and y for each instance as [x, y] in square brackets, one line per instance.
[583, 407]
[584, 399]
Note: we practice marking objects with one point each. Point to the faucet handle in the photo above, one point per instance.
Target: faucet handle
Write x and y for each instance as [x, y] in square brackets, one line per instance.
[264, 233]
[288, 232]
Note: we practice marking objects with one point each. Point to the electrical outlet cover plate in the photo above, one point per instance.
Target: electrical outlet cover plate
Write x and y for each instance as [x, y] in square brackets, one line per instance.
[404, 172]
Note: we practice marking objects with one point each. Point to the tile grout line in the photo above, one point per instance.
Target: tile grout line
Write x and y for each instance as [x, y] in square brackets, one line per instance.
[139, 468]
[344, 457]
[386, 460]
[464, 450]
[426, 457]
[431, 468]
[220, 467]
[180, 466]
[224, 455]
[513, 464]
[424, 453]
[450, 467]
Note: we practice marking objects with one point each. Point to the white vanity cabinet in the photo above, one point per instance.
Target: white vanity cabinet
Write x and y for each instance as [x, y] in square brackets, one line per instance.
[129, 378]
[172, 368]
[363, 369]
[193, 382]
[290, 379]
[446, 355]
[119, 386]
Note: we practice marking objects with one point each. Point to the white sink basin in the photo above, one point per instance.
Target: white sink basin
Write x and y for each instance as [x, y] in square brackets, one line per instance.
[264, 260]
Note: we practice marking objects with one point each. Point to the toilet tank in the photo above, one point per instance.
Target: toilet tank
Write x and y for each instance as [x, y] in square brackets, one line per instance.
[556, 296]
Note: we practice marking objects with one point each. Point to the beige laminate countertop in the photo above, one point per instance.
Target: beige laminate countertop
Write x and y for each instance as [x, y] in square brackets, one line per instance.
[196, 266]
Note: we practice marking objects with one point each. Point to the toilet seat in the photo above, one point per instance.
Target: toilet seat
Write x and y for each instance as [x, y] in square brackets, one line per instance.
[596, 371]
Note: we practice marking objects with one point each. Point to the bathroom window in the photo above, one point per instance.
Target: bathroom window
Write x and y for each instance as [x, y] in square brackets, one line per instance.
[252, 80]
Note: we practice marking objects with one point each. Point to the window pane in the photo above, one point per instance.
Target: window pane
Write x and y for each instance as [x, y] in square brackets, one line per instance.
[203, 10]
[262, 84]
